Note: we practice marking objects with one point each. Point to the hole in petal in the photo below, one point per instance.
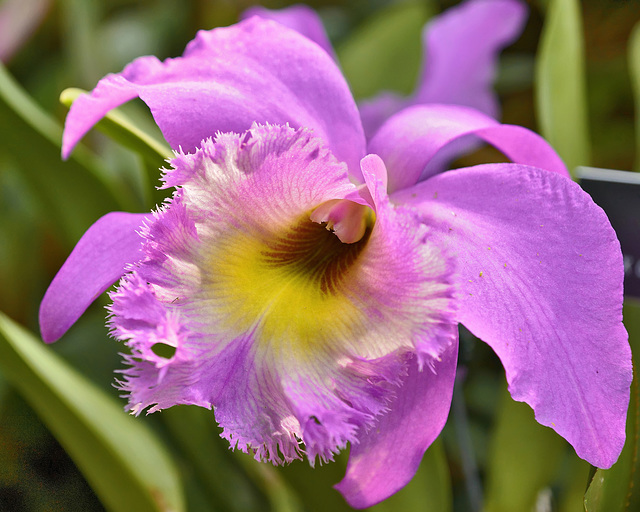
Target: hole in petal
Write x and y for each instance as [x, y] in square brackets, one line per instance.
[163, 350]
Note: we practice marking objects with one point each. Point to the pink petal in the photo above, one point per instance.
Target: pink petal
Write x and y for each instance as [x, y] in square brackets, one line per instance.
[96, 262]
[541, 282]
[227, 79]
[411, 139]
[387, 457]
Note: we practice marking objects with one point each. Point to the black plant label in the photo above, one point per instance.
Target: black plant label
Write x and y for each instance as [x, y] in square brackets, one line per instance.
[618, 194]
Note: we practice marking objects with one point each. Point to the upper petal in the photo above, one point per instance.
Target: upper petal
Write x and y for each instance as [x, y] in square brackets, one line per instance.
[388, 455]
[410, 140]
[228, 78]
[301, 18]
[540, 280]
[96, 262]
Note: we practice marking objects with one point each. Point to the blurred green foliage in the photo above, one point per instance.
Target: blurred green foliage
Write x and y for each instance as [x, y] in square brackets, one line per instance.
[560, 83]
[46, 204]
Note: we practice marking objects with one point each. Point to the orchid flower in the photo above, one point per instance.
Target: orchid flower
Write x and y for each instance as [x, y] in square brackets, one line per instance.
[309, 282]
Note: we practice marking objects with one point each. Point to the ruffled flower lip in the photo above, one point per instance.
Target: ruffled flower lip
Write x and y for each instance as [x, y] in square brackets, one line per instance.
[288, 308]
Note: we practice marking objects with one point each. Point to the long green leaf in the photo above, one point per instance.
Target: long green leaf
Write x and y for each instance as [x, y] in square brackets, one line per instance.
[560, 83]
[429, 490]
[523, 458]
[74, 193]
[216, 469]
[121, 459]
[618, 489]
[384, 53]
[634, 69]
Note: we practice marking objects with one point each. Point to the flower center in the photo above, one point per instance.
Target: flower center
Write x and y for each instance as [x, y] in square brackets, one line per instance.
[291, 286]
[348, 220]
[317, 254]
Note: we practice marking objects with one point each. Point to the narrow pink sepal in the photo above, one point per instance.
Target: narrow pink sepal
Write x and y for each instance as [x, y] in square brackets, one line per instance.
[387, 457]
[111, 92]
[96, 262]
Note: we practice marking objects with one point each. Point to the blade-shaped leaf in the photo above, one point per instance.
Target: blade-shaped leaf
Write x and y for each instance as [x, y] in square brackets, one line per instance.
[385, 52]
[634, 70]
[618, 489]
[74, 193]
[430, 488]
[122, 460]
[560, 83]
[217, 469]
[523, 458]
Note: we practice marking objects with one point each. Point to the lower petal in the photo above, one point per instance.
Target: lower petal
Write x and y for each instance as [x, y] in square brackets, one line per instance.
[96, 262]
[540, 281]
[387, 456]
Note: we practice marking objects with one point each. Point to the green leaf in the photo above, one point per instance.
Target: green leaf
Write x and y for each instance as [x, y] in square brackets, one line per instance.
[280, 494]
[560, 83]
[384, 53]
[634, 69]
[216, 469]
[74, 193]
[121, 459]
[124, 130]
[618, 489]
[523, 458]
[571, 484]
[430, 488]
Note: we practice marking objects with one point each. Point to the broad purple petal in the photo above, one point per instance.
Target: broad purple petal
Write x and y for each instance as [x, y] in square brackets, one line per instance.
[460, 48]
[387, 457]
[541, 282]
[96, 262]
[410, 140]
[301, 18]
[228, 78]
